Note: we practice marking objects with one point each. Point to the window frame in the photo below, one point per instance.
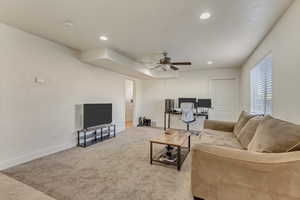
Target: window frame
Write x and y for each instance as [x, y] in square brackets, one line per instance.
[266, 84]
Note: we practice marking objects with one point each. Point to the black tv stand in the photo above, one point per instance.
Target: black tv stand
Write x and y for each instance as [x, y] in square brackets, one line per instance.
[90, 136]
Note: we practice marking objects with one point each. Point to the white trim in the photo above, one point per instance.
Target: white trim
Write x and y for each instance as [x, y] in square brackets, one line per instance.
[38, 154]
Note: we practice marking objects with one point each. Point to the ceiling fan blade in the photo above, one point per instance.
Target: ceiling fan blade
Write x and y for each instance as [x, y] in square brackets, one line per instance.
[182, 63]
[174, 68]
[151, 64]
[155, 67]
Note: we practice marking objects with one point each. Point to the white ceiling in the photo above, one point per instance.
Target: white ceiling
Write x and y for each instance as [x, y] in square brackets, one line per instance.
[140, 29]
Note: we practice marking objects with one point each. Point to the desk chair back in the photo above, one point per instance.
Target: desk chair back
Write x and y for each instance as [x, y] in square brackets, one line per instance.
[187, 110]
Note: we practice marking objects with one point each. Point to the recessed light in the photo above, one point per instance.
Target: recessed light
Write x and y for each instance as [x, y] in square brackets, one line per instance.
[103, 37]
[68, 24]
[210, 62]
[205, 15]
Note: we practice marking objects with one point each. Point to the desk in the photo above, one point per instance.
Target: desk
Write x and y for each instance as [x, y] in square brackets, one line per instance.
[168, 115]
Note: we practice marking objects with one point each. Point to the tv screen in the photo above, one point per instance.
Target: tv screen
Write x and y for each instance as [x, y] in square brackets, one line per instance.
[204, 103]
[96, 114]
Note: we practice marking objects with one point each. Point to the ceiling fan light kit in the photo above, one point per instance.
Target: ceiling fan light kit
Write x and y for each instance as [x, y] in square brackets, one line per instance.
[165, 63]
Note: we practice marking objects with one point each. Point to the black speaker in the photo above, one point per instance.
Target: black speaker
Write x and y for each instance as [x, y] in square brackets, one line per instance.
[169, 105]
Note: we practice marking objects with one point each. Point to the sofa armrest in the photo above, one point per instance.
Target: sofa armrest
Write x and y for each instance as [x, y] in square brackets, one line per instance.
[216, 167]
[219, 125]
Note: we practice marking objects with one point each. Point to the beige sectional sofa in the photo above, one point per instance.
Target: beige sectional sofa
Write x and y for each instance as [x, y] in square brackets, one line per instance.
[229, 166]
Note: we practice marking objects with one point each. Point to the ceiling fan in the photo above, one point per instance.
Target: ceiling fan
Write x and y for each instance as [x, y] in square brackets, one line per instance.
[165, 63]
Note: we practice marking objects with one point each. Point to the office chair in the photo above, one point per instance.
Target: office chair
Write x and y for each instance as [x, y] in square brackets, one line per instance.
[187, 116]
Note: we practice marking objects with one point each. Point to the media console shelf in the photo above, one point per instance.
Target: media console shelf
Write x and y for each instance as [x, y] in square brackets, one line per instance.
[90, 136]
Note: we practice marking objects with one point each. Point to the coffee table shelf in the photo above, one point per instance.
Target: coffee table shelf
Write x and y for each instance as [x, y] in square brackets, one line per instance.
[184, 153]
[177, 140]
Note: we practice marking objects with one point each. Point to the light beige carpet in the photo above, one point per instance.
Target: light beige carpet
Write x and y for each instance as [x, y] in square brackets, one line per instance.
[115, 169]
[10, 189]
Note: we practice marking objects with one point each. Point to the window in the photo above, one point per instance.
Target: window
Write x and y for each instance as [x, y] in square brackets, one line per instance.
[261, 87]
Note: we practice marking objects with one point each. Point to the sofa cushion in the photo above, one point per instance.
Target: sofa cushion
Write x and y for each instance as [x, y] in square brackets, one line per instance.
[247, 132]
[219, 138]
[219, 125]
[275, 136]
[243, 119]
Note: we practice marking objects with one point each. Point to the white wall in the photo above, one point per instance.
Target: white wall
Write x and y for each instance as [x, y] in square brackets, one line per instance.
[38, 119]
[190, 84]
[284, 43]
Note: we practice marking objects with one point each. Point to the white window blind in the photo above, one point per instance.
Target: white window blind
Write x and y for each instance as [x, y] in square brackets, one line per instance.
[261, 87]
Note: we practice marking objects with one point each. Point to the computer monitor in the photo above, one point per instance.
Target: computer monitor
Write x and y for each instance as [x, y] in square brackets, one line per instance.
[204, 103]
[187, 100]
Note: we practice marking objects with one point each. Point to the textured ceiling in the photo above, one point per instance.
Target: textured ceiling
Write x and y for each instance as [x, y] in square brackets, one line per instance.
[142, 28]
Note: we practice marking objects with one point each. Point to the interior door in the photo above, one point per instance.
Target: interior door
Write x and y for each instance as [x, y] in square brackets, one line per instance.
[129, 103]
[224, 93]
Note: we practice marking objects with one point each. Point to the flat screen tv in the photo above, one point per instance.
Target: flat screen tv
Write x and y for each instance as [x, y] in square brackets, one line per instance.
[96, 114]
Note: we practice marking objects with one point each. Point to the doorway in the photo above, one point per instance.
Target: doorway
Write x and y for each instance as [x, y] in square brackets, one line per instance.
[129, 103]
[224, 93]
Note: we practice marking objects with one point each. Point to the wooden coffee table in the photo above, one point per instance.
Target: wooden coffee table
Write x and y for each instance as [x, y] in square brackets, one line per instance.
[179, 139]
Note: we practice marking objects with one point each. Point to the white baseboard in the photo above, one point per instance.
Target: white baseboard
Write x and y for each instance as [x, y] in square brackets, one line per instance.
[47, 151]
[31, 156]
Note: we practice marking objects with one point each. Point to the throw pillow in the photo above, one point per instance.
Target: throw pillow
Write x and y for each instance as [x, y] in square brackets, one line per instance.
[243, 119]
[275, 136]
[248, 131]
